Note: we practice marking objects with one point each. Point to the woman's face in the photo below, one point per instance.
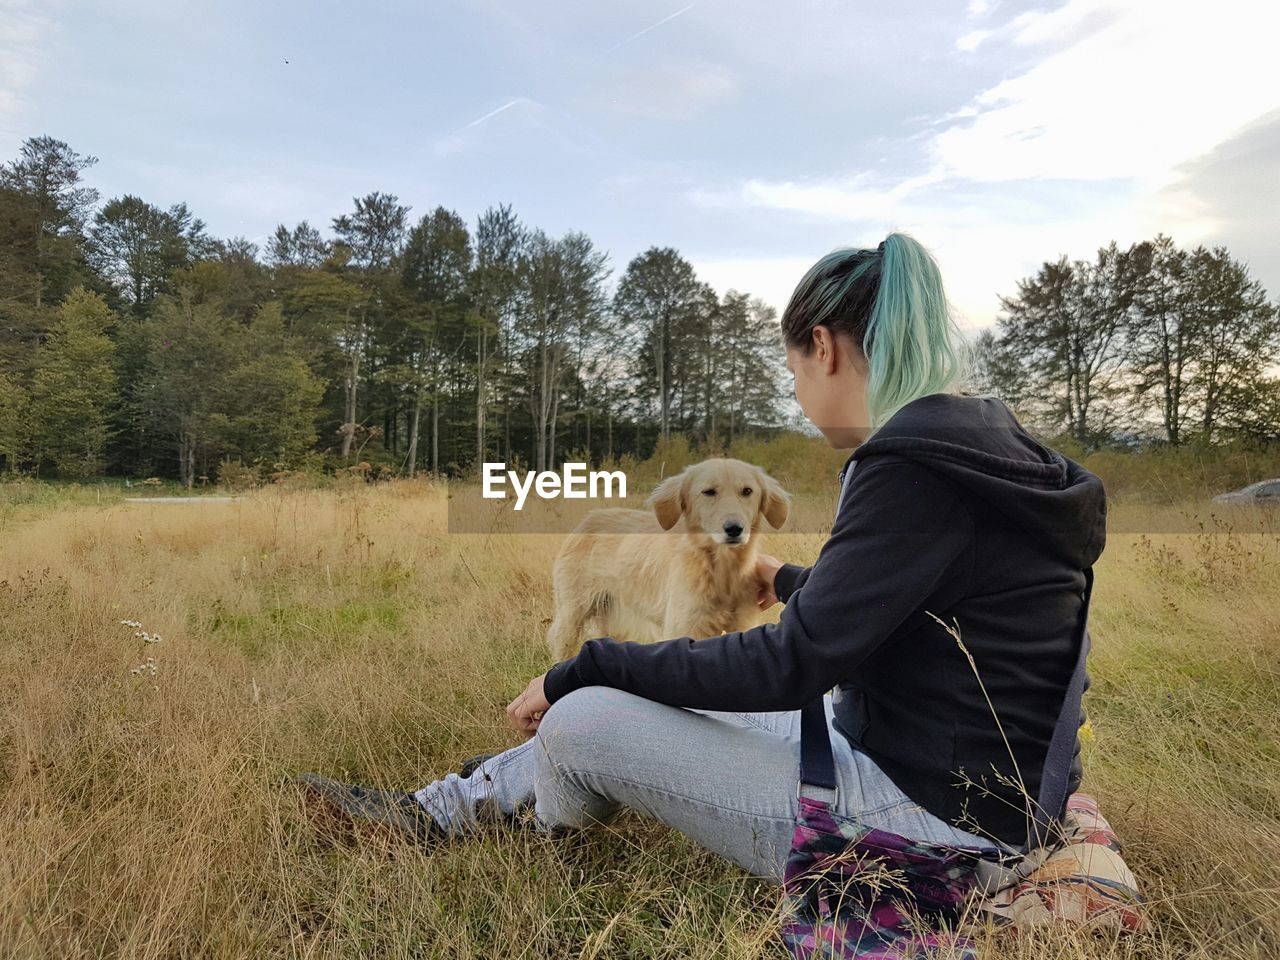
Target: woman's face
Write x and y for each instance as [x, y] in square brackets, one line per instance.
[831, 387]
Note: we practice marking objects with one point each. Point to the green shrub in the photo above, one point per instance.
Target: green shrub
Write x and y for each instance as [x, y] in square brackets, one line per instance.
[236, 476]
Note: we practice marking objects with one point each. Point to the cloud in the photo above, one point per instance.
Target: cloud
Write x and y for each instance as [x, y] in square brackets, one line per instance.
[1228, 196]
[861, 197]
[1082, 147]
[1146, 85]
[984, 236]
[770, 278]
[830, 39]
[285, 198]
[669, 91]
[24, 38]
[970, 42]
[981, 251]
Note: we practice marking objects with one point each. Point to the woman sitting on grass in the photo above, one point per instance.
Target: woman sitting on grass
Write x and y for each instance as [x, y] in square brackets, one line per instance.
[953, 512]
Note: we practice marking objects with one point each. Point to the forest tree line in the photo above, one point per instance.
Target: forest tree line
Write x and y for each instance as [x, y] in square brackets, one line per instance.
[1149, 342]
[133, 342]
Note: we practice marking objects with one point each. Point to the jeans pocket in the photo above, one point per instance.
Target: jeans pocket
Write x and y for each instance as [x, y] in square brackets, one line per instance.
[761, 721]
[907, 818]
[768, 722]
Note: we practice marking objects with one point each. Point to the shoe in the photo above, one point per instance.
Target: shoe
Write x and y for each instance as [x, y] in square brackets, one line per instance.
[375, 814]
[471, 765]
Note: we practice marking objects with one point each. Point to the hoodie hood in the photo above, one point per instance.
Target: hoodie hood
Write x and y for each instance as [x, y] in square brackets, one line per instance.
[977, 443]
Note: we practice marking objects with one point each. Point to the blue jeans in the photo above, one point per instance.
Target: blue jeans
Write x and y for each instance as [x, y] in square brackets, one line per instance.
[726, 780]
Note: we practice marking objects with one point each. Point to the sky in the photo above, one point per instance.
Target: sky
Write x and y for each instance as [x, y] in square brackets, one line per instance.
[754, 135]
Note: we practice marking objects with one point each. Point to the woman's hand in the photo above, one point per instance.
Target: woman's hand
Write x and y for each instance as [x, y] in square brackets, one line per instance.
[525, 711]
[767, 568]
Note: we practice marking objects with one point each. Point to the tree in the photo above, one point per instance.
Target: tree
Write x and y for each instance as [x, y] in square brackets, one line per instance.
[192, 353]
[300, 247]
[271, 397]
[1203, 332]
[694, 355]
[742, 382]
[14, 429]
[436, 267]
[561, 291]
[74, 388]
[319, 308]
[996, 370]
[1238, 332]
[46, 179]
[374, 231]
[494, 281]
[138, 247]
[1067, 326]
[601, 379]
[22, 324]
[1164, 343]
[369, 240]
[658, 299]
[1251, 412]
[234, 276]
[498, 339]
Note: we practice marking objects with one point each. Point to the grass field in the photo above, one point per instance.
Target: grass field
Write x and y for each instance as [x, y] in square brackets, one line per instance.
[346, 631]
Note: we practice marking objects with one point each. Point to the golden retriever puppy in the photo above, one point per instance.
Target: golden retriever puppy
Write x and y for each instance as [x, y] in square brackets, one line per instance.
[623, 576]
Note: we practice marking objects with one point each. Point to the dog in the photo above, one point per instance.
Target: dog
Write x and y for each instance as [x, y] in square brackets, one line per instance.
[623, 575]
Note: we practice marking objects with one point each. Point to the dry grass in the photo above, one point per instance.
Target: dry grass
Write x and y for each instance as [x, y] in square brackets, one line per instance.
[346, 631]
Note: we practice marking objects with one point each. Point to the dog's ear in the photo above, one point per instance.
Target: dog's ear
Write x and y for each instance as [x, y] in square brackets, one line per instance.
[775, 503]
[668, 499]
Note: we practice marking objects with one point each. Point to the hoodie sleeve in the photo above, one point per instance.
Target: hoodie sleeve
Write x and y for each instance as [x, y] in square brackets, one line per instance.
[901, 534]
[1076, 776]
[789, 578]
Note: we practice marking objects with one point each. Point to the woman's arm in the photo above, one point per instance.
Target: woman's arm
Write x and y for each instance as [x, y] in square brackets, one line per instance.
[901, 535]
[789, 578]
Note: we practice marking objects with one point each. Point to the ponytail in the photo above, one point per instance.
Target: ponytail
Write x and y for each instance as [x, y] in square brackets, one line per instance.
[911, 340]
[890, 302]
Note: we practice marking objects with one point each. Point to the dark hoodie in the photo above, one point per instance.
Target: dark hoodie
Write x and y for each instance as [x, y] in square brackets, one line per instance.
[954, 511]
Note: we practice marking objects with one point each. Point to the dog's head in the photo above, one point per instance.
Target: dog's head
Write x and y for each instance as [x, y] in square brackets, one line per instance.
[723, 499]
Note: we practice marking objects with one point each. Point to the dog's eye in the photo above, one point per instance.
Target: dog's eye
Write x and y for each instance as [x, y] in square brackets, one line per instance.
[747, 491]
[709, 493]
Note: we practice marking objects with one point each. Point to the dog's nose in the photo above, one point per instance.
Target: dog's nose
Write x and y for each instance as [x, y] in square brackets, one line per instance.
[733, 530]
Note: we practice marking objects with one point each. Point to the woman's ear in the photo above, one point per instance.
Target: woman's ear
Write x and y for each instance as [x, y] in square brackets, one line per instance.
[668, 500]
[824, 348]
[775, 503]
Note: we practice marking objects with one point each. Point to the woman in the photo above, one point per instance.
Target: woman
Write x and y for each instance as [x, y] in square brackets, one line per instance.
[953, 514]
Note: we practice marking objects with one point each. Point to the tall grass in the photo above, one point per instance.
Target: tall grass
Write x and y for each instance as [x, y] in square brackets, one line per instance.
[1175, 474]
[346, 631]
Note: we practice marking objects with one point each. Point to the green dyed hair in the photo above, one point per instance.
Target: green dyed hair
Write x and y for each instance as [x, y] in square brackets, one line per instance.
[889, 301]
